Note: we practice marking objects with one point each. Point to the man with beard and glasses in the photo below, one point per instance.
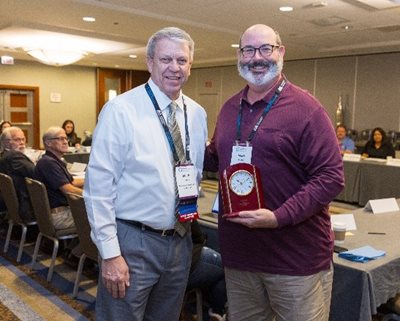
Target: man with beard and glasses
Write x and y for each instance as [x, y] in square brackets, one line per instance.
[277, 259]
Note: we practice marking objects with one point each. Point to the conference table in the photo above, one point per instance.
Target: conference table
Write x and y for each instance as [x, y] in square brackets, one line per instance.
[79, 157]
[358, 288]
[368, 179]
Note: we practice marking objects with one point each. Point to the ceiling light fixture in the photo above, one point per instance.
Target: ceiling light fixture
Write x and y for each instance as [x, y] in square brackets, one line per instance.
[89, 19]
[58, 49]
[286, 9]
[133, 56]
[56, 57]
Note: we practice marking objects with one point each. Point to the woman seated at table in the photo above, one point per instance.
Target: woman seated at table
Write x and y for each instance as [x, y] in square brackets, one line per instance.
[378, 146]
[73, 139]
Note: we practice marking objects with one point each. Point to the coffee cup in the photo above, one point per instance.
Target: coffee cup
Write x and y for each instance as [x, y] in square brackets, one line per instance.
[339, 229]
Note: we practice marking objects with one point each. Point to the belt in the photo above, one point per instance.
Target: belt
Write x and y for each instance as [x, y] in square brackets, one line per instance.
[144, 227]
[59, 209]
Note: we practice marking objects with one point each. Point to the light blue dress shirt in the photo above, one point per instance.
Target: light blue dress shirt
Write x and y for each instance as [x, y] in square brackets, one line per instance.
[347, 144]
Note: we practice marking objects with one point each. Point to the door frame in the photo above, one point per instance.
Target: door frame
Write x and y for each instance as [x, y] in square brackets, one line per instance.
[36, 109]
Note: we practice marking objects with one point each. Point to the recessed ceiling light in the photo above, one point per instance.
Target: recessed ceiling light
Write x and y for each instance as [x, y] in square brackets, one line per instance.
[89, 19]
[347, 27]
[235, 45]
[133, 56]
[286, 9]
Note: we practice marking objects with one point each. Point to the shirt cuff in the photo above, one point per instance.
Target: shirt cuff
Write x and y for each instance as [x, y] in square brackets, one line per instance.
[109, 249]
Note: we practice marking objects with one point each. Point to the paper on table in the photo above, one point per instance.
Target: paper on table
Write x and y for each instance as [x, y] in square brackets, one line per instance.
[348, 219]
[362, 254]
[77, 168]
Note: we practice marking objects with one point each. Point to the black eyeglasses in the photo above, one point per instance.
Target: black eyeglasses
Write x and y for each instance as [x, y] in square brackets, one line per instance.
[265, 51]
[60, 139]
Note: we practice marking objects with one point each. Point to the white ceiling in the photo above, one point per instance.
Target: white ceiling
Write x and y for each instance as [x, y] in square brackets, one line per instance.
[314, 29]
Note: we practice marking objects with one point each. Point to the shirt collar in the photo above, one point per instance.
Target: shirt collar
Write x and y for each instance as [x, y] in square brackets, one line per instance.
[162, 99]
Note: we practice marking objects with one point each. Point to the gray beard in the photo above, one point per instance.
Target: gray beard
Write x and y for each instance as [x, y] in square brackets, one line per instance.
[274, 70]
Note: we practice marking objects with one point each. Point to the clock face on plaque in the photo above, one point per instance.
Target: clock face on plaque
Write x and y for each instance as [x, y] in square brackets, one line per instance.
[241, 182]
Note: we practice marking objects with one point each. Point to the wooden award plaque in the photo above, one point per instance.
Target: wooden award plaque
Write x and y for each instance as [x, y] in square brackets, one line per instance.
[241, 189]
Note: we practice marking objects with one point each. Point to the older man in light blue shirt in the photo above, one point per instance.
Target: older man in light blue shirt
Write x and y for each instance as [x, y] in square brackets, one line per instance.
[130, 189]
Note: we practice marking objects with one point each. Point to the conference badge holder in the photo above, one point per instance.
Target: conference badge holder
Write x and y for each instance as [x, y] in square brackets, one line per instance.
[241, 189]
[188, 192]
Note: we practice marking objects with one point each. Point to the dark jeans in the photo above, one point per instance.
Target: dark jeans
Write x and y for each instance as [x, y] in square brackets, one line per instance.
[208, 275]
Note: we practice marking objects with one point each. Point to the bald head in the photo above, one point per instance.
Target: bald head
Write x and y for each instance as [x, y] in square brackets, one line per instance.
[260, 57]
[265, 32]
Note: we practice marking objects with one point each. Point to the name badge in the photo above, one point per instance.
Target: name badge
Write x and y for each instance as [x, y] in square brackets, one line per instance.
[241, 154]
[188, 192]
[186, 181]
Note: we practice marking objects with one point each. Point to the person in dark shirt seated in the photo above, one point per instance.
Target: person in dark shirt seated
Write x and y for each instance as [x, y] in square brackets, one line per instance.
[52, 172]
[207, 274]
[378, 146]
[14, 163]
[87, 141]
[73, 139]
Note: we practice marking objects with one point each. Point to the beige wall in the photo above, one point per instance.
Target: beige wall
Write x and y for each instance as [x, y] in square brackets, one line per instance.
[369, 86]
[77, 86]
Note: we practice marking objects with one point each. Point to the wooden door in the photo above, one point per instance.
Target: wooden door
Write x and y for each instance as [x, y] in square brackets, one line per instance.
[20, 106]
[112, 82]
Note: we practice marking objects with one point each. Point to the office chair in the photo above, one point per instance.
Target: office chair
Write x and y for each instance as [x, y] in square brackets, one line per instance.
[7, 189]
[89, 249]
[41, 208]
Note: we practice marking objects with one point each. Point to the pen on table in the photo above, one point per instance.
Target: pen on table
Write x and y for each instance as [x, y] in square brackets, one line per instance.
[377, 233]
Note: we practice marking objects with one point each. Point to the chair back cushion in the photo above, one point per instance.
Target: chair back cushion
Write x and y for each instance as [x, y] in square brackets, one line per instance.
[41, 208]
[7, 190]
[78, 209]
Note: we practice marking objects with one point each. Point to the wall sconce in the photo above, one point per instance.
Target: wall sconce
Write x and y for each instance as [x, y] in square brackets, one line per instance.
[55, 57]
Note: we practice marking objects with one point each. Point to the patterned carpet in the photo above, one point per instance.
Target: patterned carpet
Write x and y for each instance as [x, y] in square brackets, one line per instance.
[26, 295]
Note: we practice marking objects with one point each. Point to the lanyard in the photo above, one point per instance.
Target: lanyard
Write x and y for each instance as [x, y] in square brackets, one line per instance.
[165, 126]
[259, 121]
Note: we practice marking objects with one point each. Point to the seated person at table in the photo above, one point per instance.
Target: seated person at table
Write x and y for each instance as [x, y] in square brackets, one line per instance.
[3, 125]
[73, 139]
[14, 163]
[87, 141]
[378, 146]
[53, 173]
[207, 274]
[346, 144]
